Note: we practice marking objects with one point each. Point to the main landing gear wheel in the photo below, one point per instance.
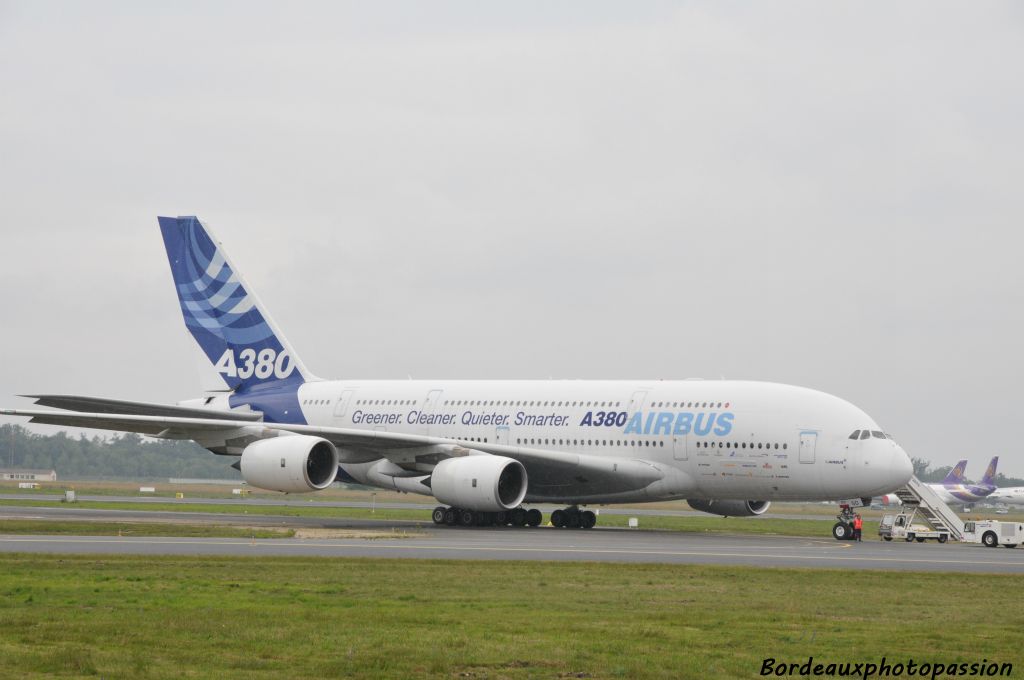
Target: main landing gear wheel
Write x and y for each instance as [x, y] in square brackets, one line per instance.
[519, 517]
[842, 531]
[587, 519]
[573, 518]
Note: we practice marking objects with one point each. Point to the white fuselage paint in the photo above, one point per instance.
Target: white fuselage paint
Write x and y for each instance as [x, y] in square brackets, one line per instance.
[1010, 495]
[742, 440]
[958, 493]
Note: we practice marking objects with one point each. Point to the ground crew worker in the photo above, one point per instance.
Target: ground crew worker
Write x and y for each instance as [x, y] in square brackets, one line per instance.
[858, 525]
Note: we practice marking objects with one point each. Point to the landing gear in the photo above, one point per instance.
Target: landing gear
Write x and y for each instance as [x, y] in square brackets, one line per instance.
[843, 529]
[573, 518]
[518, 517]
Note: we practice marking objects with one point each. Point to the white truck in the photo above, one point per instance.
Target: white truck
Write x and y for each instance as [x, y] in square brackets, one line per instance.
[901, 526]
[992, 533]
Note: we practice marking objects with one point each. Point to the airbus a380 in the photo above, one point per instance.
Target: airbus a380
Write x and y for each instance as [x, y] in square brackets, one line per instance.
[484, 448]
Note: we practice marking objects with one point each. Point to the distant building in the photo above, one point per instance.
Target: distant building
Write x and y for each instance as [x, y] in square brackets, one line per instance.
[15, 475]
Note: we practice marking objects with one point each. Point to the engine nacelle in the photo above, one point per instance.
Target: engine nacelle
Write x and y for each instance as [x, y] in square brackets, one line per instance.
[290, 463]
[731, 508]
[484, 483]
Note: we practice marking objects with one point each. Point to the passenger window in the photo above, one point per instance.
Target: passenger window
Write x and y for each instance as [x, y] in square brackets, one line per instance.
[864, 434]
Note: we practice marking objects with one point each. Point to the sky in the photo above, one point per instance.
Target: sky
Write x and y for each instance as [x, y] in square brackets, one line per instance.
[820, 194]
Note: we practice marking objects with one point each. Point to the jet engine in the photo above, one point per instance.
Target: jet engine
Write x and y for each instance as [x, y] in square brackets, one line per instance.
[291, 463]
[482, 482]
[731, 508]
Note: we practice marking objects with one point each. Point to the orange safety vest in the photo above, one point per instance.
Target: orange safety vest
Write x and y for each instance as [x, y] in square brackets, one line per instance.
[858, 523]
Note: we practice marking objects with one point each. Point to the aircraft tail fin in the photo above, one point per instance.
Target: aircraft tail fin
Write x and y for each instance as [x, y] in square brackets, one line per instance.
[956, 475]
[990, 472]
[223, 313]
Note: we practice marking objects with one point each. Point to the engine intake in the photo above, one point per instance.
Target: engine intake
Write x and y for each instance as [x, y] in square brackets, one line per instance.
[731, 508]
[291, 463]
[482, 482]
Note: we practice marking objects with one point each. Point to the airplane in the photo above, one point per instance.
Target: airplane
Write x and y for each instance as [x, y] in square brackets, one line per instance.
[955, 477]
[953, 489]
[484, 448]
[1009, 495]
[960, 492]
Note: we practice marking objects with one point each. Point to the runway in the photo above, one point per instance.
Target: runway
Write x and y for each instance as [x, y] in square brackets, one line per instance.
[426, 541]
[390, 505]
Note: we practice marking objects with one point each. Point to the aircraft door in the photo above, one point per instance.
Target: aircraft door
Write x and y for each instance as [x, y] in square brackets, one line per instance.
[636, 402]
[501, 435]
[680, 444]
[808, 442]
[431, 402]
[342, 408]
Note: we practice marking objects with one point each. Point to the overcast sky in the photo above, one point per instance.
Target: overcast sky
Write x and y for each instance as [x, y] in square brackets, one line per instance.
[822, 194]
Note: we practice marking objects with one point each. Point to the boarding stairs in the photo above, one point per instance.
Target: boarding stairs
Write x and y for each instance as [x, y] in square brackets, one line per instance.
[919, 498]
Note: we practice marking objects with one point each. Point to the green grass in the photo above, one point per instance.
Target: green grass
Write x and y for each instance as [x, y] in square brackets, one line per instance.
[140, 617]
[738, 525]
[62, 528]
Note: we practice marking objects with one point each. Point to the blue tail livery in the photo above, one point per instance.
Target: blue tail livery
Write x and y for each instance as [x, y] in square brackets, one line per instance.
[227, 320]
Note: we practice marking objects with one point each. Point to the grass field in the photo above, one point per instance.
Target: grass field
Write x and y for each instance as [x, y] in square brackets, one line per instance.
[140, 617]
[63, 528]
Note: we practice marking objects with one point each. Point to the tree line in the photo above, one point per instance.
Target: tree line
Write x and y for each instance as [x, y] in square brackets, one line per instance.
[119, 456]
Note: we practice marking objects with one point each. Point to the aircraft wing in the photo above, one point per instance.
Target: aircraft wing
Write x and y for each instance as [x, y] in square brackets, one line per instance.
[547, 470]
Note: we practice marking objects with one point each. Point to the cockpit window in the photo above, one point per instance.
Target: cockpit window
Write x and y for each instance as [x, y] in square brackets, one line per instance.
[877, 435]
[889, 436]
[855, 435]
[865, 434]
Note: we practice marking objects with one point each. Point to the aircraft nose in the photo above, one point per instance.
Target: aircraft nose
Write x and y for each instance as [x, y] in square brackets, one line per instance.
[901, 469]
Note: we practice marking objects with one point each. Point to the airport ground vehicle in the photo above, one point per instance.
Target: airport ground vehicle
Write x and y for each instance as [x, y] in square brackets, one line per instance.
[992, 533]
[902, 526]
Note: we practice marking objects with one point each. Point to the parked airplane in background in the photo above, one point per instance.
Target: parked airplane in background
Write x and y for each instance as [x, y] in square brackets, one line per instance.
[955, 477]
[483, 448]
[1010, 495]
[969, 493]
[953, 489]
